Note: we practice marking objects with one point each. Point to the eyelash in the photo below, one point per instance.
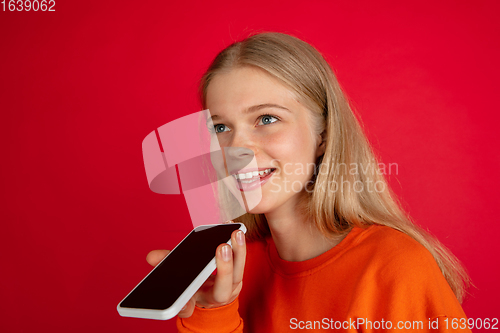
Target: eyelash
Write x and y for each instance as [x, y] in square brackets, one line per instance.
[213, 130]
[268, 115]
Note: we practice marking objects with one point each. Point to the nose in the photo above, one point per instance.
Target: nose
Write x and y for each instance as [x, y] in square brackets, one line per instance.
[241, 152]
[238, 152]
[242, 144]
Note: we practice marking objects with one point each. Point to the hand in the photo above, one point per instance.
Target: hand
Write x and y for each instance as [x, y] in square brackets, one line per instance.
[220, 288]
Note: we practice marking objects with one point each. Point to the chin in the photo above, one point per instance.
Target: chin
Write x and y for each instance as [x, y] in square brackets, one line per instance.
[261, 208]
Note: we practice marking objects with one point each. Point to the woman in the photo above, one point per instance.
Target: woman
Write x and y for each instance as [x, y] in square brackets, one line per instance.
[328, 245]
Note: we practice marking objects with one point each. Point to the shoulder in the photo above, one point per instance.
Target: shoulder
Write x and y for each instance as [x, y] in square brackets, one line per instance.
[404, 268]
[397, 278]
[384, 251]
[386, 236]
[391, 244]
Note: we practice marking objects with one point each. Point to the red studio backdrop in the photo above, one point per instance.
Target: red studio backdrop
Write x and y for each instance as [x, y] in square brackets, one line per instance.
[82, 86]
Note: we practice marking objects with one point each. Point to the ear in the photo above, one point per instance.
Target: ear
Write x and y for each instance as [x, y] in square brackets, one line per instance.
[321, 147]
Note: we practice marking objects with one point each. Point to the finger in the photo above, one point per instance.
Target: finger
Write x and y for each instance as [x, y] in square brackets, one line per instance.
[187, 310]
[223, 284]
[154, 257]
[240, 254]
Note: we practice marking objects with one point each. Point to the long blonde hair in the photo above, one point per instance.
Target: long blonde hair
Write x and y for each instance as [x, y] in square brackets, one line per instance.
[303, 69]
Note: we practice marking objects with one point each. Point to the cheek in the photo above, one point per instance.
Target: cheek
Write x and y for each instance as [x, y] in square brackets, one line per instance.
[293, 146]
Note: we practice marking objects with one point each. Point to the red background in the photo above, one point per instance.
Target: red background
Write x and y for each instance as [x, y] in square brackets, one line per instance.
[81, 87]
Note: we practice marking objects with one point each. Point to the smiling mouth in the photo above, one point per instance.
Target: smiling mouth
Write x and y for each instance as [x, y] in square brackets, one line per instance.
[249, 177]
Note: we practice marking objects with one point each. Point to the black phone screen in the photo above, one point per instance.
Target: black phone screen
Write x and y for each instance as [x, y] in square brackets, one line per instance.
[161, 288]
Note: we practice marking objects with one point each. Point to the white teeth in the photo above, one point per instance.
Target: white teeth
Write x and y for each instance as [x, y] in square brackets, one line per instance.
[249, 175]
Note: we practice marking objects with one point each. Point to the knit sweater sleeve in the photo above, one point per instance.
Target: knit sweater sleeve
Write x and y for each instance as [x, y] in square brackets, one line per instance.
[223, 319]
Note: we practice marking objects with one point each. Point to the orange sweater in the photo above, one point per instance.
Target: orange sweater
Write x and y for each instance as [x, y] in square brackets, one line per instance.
[377, 278]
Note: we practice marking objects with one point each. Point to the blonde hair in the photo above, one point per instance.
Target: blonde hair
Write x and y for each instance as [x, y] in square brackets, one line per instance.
[303, 69]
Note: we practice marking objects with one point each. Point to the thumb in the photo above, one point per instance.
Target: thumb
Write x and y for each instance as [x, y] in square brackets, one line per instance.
[155, 256]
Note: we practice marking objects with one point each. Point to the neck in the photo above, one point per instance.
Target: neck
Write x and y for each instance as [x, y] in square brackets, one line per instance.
[295, 236]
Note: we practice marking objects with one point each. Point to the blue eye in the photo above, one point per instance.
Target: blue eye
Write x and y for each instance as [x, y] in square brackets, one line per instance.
[267, 119]
[220, 128]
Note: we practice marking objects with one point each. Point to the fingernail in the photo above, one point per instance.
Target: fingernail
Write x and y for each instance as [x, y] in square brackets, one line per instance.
[240, 238]
[226, 253]
[184, 308]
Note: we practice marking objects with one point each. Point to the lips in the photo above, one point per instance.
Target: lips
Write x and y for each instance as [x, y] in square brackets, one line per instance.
[247, 180]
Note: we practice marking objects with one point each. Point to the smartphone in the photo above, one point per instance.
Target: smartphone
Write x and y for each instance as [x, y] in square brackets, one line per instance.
[172, 283]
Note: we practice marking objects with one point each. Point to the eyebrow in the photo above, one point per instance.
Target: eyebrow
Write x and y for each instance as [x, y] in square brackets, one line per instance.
[264, 106]
[256, 108]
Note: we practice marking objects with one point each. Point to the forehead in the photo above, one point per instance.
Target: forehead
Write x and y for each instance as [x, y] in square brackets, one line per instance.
[244, 87]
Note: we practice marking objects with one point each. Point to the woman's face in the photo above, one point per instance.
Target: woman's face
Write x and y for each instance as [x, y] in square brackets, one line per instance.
[253, 110]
